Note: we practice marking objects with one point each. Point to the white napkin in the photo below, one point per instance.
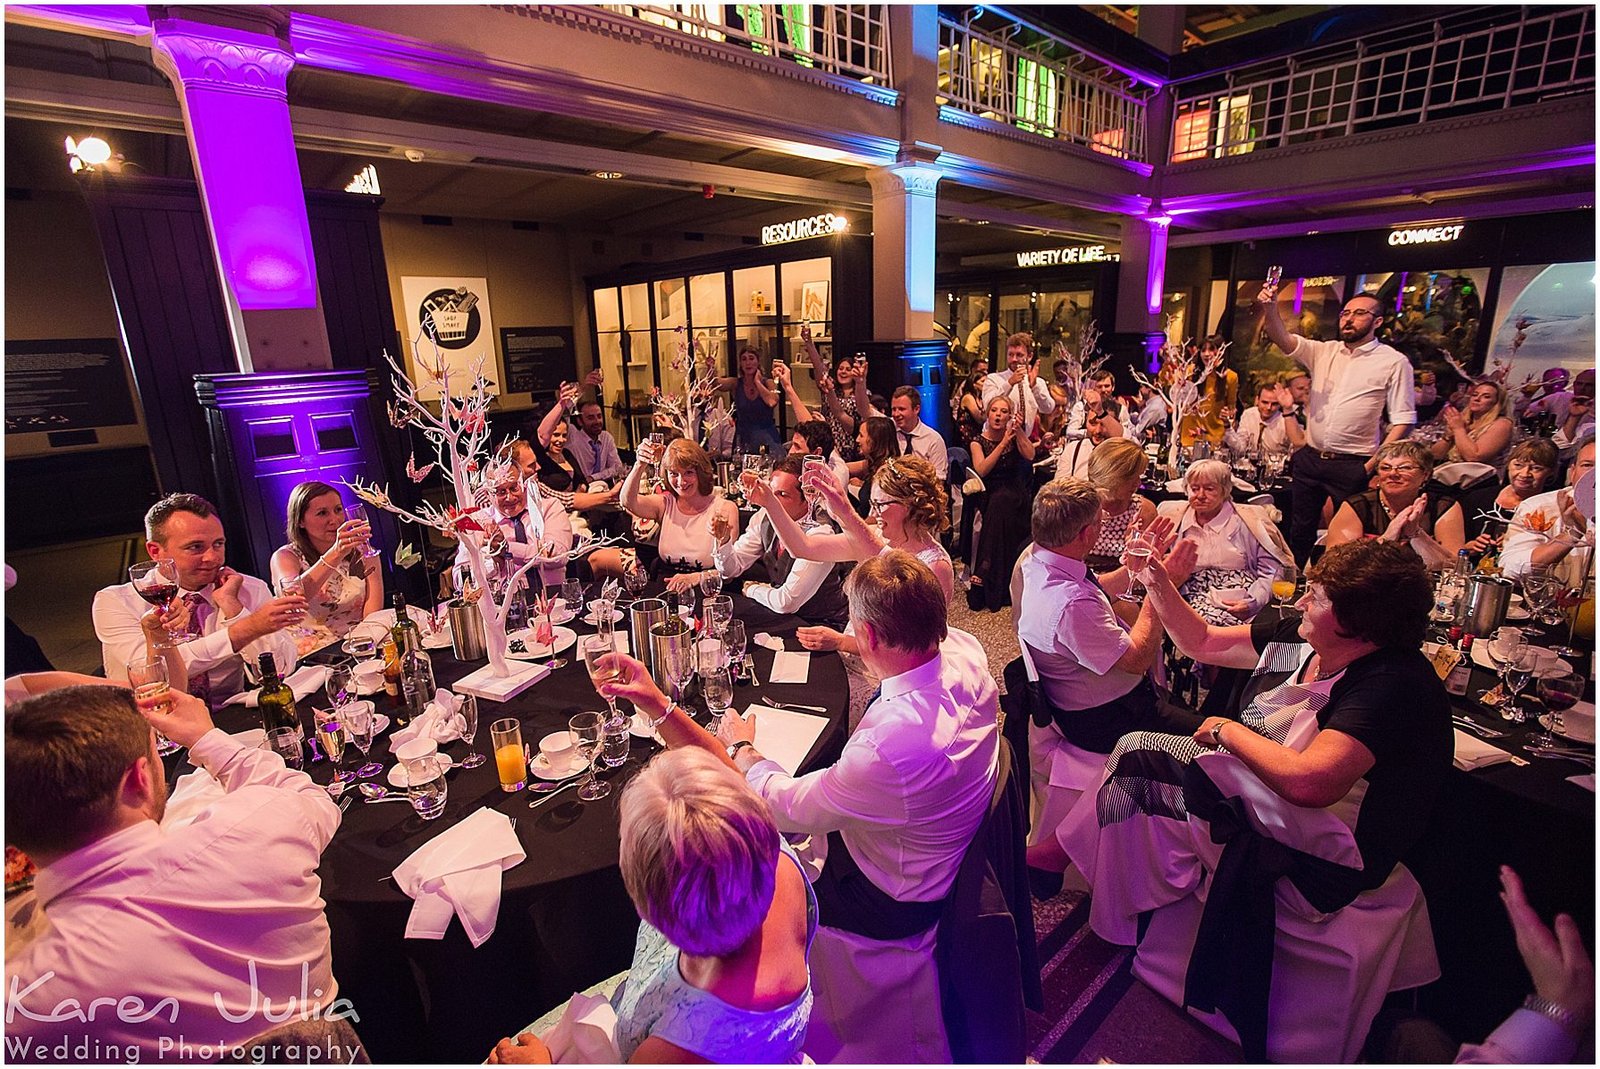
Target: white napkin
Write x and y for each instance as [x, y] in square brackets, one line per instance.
[790, 666]
[304, 682]
[769, 642]
[1472, 752]
[786, 736]
[1586, 781]
[192, 796]
[440, 721]
[586, 1033]
[458, 874]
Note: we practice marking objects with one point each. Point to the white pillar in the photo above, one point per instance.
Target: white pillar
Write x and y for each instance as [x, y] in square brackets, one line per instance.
[231, 81]
[904, 200]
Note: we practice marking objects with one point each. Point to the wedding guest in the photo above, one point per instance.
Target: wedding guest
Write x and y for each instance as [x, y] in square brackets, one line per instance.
[1398, 509]
[686, 508]
[1211, 416]
[1115, 469]
[1238, 546]
[219, 919]
[1548, 526]
[966, 407]
[559, 476]
[753, 401]
[1528, 469]
[1074, 454]
[523, 524]
[592, 444]
[727, 917]
[1003, 457]
[844, 391]
[914, 437]
[235, 615]
[1481, 432]
[1153, 414]
[1260, 428]
[1099, 404]
[814, 437]
[1030, 396]
[324, 552]
[876, 446]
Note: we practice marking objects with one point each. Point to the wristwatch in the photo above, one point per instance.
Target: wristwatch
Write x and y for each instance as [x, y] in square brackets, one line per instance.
[733, 751]
[1556, 1012]
[1216, 733]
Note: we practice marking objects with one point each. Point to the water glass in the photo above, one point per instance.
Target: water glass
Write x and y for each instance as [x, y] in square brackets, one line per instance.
[510, 756]
[587, 730]
[735, 641]
[710, 656]
[285, 742]
[426, 786]
[718, 611]
[1518, 674]
[614, 741]
[469, 729]
[359, 721]
[572, 594]
[717, 689]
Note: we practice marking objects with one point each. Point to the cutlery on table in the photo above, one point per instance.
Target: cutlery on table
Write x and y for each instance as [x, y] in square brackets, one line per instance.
[797, 705]
[1474, 726]
[546, 793]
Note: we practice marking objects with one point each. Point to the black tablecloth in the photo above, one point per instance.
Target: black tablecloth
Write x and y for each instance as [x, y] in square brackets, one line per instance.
[565, 920]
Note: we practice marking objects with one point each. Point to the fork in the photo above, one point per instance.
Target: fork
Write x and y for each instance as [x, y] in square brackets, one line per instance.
[1473, 725]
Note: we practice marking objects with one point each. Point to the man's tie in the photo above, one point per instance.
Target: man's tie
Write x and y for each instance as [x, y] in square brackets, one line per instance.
[199, 614]
[519, 529]
[905, 443]
[594, 446]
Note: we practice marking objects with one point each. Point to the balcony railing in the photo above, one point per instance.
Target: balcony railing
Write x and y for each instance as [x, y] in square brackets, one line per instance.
[1530, 55]
[1019, 75]
[848, 40]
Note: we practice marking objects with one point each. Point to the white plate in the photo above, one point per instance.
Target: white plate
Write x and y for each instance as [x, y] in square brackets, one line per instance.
[1227, 593]
[541, 768]
[1576, 730]
[564, 637]
[1516, 610]
[639, 727]
[397, 775]
[591, 620]
[1548, 663]
[380, 724]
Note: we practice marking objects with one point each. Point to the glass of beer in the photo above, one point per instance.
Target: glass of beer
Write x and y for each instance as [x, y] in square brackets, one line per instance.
[148, 678]
[510, 756]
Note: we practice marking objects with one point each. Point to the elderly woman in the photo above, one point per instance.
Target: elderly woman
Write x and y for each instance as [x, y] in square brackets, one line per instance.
[341, 586]
[1344, 716]
[1240, 549]
[1532, 462]
[1003, 457]
[1399, 511]
[685, 509]
[1115, 468]
[1481, 432]
[719, 966]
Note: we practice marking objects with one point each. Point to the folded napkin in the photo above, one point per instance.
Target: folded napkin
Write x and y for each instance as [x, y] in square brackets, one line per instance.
[440, 721]
[769, 642]
[586, 1033]
[304, 682]
[1585, 781]
[458, 874]
[191, 796]
[1472, 752]
[790, 666]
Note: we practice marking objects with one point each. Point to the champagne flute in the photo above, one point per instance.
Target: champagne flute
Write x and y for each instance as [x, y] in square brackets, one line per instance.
[1558, 692]
[156, 581]
[596, 649]
[151, 686]
[359, 512]
[1138, 549]
[587, 729]
[812, 462]
[717, 689]
[735, 640]
[469, 729]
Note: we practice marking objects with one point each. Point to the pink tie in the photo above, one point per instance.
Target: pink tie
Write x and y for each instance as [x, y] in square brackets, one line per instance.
[199, 613]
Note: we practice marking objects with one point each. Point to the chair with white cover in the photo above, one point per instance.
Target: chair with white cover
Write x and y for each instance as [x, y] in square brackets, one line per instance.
[1330, 971]
[1462, 473]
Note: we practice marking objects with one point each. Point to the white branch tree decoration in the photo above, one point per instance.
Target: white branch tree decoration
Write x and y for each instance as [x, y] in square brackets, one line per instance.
[1186, 378]
[687, 413]
[460, 438]
[1083, 364]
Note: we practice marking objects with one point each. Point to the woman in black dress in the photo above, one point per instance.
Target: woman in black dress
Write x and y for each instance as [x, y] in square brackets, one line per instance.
[1003, 457]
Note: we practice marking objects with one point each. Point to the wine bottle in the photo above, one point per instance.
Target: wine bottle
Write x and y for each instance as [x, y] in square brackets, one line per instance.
[1461, 675]
[277, 700]
[403, 625]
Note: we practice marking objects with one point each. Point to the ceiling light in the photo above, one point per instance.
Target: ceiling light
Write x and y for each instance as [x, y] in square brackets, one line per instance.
[608, 175]
[88, 154]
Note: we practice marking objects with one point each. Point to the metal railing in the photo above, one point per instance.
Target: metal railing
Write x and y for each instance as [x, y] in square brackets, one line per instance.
[1022, 76]
[849, 40]
[1530, 55]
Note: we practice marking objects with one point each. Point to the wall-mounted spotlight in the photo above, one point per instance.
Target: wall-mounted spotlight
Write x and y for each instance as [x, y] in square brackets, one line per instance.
[91, 154]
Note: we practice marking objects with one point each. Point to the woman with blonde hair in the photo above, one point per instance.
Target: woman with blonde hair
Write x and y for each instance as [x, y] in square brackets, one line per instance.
[686, 509]
[341, 586]
[1115, 468]
[1481, 432]
[1003, 457]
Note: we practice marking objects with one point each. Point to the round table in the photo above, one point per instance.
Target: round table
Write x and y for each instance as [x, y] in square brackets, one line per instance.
[565, 920]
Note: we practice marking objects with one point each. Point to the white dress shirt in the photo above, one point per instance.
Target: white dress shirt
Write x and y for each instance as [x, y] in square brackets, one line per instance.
[913, 783]
[224, 909]
[1079, 414]
[927, 444]
[605, 463]
[1253, 435]
[802, 583]
[1350, 391]
[1516, 551]
[1072, 460]
[1028, 401]
[118, 609]
[1073, 637]
[1153, 413]
[556, 534]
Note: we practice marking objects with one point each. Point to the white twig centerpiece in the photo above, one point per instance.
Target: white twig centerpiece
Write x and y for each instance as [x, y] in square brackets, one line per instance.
[459, 433]
[690, 413]
[1179, 384]
[1083, 364]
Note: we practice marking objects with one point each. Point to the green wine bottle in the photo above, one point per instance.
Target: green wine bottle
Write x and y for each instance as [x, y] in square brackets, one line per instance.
[277, 700]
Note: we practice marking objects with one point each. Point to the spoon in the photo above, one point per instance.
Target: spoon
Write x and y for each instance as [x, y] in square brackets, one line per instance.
[374, 793]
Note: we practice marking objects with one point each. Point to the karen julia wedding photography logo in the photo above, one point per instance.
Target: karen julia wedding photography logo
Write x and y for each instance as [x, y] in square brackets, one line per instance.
[163, 1038]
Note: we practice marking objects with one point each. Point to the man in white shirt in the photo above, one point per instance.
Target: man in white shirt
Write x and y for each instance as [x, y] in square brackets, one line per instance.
[810, 589]
[1356, 382]
[1030, 395]
[1260, 428]
[192, 931]
[1072, 461]
[814, 437]
[915, 436]
[1092, 668]
[1549, 539]
[1153, 412]
[518, 533]
[593, 446]
[1098, 405]
[235, 615]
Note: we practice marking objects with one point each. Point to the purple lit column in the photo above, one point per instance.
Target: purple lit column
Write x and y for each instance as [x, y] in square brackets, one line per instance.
[231, 82]
[1142, 279]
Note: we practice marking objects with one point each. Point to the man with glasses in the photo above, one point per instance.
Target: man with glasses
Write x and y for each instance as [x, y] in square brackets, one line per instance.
[1356, 383]
[810, 589]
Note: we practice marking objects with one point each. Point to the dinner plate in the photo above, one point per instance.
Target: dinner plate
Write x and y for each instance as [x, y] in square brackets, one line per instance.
[591, 620]
[1549, 662]
[1578, 730]
[540, 767]
[564, 637]
[397, 775]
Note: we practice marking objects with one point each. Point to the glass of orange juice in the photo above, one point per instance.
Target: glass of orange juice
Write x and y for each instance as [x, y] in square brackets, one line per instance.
[510, 756]
[1283, 587]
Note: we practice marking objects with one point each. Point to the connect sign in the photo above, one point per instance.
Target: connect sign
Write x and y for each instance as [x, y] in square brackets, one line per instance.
[814, 226]
[1426, 235]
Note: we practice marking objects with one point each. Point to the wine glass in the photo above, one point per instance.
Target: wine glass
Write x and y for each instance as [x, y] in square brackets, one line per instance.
[1284, 586]
[586, 729]
[710, 583]
[1518, 673]
[359, 721]
[594, 649]
[635, 579]
[719, 611]
[341, 684]
[156, 581]
[572, 594]
[736, 642]
[292, 584]
[469, 729]
[1568, 598]
[1138, 549]
[717, 689]
[148, 678]
[359, 512]
[1558, 692]
[1502, 646]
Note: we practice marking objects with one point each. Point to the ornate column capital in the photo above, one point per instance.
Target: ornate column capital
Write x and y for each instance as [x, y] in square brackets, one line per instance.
[201, 56]
[910, 178]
